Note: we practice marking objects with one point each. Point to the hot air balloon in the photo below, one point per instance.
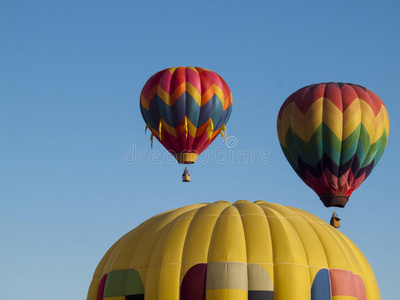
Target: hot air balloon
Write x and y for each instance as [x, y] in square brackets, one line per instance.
[186, 108]
[239, 251]
[333, 135]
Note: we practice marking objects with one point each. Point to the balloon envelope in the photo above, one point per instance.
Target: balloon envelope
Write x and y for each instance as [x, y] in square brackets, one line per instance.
[186, 108]
[333, 135]
[240, 251]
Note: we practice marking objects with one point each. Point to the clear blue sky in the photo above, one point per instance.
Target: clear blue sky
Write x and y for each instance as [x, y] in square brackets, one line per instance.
[71, 73]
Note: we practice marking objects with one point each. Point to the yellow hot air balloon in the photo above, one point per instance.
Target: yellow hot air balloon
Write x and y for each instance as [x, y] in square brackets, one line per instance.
[234, 251]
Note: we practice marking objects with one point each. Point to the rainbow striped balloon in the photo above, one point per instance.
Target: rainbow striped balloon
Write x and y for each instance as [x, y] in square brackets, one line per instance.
[333, 135]
[186, 108]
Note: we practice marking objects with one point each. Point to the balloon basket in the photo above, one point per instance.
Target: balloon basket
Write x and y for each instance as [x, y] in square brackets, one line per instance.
[186, 178]
[335, 222]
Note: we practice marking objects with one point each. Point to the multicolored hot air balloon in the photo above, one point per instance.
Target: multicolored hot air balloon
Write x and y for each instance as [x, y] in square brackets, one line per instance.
[239, 251]
[186, 108]
[333, 135]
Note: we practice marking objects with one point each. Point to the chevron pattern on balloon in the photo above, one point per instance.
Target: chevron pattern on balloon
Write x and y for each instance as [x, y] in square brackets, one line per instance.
[333, 135]
[186, 108]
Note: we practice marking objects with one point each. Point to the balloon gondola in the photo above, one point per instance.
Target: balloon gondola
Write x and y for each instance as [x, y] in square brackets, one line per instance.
[335, 220]
[186, 175]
